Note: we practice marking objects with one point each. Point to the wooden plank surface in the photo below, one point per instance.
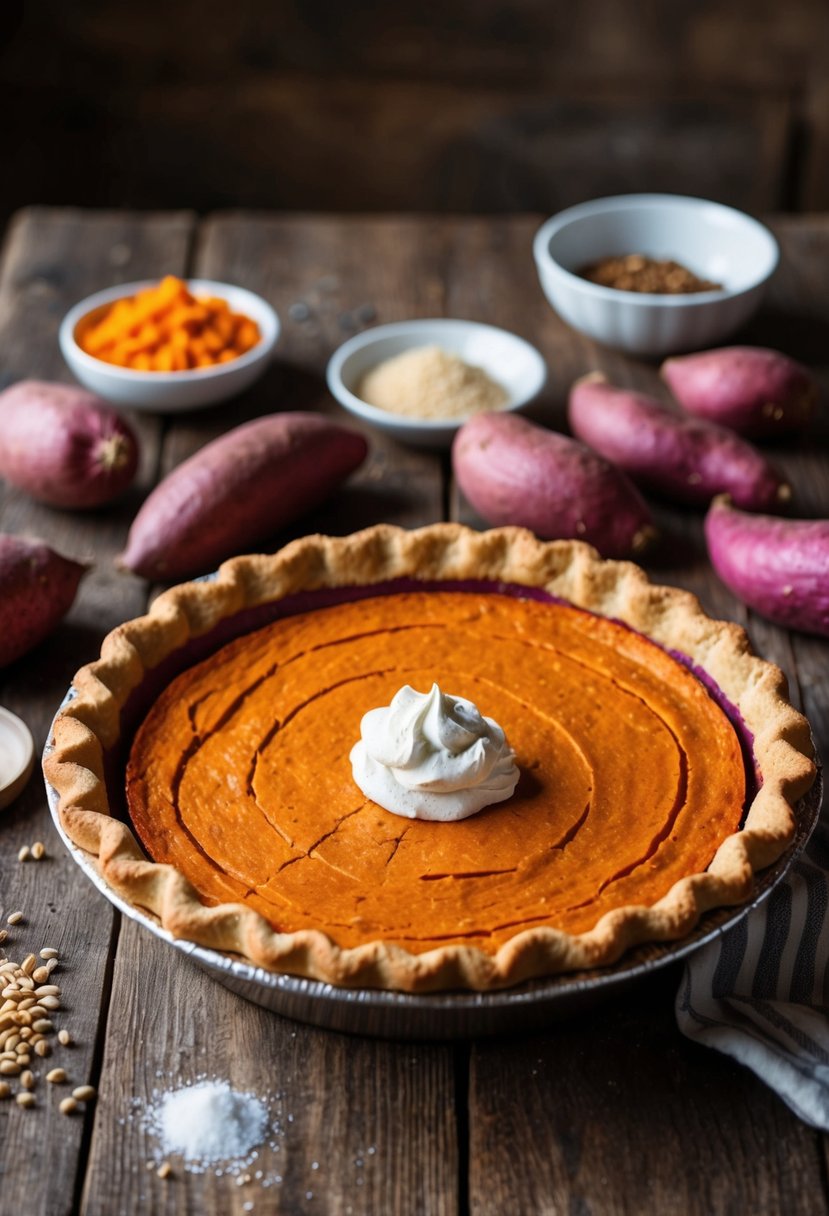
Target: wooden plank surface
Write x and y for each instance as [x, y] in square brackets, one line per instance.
[52, 260]
[367, 1126]
[585, 1151]
[553, 1122]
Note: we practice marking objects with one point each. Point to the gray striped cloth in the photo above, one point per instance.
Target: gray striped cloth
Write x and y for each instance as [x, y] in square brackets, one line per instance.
[760, 993]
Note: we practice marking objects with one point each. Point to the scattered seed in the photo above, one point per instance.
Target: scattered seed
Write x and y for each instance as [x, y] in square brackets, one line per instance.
[48, 952]
[9, 1068]
[47, 990]
[25, 1098]
[64, 1037]
[29, 963]
[14, 919]
[38, 850]
[56, 1076]
[50, 965]
[42, 1048]
[67, 1106]
[49, 1002]
[40, 975]
[27, 1079]
[164, 1170]
[42, 1025]
[24, 854]
[84, 1093]
[5, 1089]
[3, 935]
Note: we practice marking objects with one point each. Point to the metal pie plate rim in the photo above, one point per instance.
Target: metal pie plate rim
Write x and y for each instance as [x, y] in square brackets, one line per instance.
[444, 1015]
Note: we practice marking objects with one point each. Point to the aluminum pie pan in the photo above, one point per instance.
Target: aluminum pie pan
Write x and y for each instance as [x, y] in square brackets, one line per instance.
[445, 1015]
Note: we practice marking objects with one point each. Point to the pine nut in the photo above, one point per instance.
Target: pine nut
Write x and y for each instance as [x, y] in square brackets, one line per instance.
[12, 1041]
[49, 1002]
[47, 990]
[67, 1106]
[42, 1048]
[64, 1037]
[56, 1076]
[27, 1079]
[9, 1068]
[50, 965]
[40, 975]
[38, 850]
[29, 963]
[14, 919]
[24, 854]
[25, 1098]
[48, 952]
[5, 1089]
[84, 1093]
[3, 935]
[27, 1003]
[42, 1025]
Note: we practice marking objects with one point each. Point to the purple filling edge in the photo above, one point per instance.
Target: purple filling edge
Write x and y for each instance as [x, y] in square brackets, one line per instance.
[251, 619]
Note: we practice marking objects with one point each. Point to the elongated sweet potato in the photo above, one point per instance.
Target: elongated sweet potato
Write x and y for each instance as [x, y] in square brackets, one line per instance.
[779, 567]
[685, 459]
[515, 472]
[238, 490]
[756, 392]
[64, 446]
[37, 587]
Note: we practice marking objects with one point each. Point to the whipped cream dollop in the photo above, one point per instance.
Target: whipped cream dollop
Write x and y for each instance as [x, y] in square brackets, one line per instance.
[433, 756]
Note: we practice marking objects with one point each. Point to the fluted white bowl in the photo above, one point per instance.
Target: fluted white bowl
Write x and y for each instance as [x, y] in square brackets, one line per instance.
[714, 241]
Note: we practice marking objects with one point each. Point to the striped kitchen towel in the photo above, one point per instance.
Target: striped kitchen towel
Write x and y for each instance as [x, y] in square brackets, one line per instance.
[760, 993]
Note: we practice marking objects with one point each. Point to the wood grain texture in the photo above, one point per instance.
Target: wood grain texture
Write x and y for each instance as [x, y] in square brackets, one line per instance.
[51, 260]
[378, 1119]
[563, 1121]
[585, 1101]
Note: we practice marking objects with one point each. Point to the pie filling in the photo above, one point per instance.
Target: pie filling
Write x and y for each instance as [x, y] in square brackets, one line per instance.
[631, 774]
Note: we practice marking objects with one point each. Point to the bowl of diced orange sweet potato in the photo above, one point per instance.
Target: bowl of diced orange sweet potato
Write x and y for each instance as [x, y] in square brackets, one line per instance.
[170, 344]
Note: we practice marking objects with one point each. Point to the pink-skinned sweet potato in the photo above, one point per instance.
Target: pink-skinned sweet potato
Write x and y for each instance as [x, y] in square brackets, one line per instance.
[64, 446]
[238, 490]
[37, 588]
[515, 472]
[778, 567]
[685, 459]
[756, 392]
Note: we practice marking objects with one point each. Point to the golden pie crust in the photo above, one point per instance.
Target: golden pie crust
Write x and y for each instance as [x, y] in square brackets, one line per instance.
[444, 940]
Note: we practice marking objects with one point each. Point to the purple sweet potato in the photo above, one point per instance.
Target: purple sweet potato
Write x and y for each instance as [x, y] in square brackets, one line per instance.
[779, 567]
[237, 491]
[686, 459]
[756, 392]
[515, 472]
[63, 445]
[37, 587]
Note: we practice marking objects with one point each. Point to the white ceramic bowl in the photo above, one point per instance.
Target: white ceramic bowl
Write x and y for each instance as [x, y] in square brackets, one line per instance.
[17, 753]
[715, 242]
[171, 391]
[510, 360]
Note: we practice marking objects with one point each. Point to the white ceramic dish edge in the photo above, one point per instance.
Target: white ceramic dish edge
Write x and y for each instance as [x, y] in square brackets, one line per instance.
[171, 391]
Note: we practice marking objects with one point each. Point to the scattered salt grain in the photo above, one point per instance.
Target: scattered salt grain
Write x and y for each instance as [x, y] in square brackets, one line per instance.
[209, 1122]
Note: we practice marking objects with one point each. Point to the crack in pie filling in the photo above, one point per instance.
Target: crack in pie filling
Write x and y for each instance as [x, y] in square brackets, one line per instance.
[637, 806]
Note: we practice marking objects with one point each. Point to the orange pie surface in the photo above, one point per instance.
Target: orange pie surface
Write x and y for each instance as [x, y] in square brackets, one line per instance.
[631, 774]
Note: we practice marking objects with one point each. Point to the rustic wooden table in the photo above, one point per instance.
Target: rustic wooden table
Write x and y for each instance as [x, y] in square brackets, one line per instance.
[613, 1112]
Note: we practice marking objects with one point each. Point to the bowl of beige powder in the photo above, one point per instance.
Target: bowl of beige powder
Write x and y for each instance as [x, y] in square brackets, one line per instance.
[420, 380]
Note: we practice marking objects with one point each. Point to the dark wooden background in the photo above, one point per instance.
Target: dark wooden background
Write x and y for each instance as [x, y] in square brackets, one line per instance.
[424, 105]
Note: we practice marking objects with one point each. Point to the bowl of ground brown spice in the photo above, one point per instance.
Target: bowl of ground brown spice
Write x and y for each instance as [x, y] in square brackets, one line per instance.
[654, 274]
[420, 380]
